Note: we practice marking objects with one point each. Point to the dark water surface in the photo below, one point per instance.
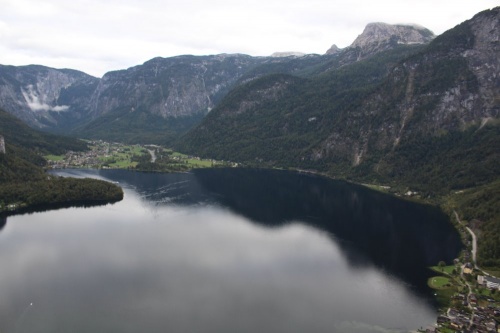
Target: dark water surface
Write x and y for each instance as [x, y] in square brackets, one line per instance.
[224, 250]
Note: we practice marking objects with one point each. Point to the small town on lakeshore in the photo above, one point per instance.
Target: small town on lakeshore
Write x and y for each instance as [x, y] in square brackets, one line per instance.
[472, 299]
[113, 155]
[469, 297]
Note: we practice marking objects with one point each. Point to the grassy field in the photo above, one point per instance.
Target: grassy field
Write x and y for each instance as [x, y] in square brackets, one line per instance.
[439, 282]
[54, 158]
[195, 163]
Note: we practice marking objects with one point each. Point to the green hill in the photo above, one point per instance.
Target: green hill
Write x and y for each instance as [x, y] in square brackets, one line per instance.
[23, 183]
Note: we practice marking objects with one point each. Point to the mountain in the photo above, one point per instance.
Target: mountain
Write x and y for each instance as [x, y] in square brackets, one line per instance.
[378, 118]
[163, 97]
[153, 102]
[45, 97]
[160, 100]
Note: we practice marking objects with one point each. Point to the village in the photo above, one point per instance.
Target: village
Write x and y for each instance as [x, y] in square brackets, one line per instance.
[109, 155]
[474, 304]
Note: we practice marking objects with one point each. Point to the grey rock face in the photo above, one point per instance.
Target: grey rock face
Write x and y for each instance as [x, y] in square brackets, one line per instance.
[43, 96]
[452, 85]
[379, 37]
[170, 87]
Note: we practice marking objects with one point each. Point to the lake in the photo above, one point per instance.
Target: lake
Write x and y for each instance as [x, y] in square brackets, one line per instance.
[224, 250]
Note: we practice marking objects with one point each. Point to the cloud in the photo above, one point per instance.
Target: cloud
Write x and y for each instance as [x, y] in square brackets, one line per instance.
[96, 36]
[35, 104]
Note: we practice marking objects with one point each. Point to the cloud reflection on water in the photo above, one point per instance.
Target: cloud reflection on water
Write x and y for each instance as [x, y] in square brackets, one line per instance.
[140, 265]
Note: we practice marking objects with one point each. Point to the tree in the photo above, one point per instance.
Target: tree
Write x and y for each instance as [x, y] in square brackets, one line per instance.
[441, 265]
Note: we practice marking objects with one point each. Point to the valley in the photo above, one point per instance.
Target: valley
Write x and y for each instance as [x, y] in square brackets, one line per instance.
[400, 110]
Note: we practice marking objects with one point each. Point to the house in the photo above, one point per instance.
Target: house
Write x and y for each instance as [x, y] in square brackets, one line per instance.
[492, 283]
[467, 270]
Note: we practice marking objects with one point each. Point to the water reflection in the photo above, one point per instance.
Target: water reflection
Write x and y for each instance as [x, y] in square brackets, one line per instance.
[179, 254]
[399, 236]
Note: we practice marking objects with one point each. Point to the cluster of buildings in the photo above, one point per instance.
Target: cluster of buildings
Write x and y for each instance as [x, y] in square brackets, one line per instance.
[475, 313]
[482, 320]
[90, 159]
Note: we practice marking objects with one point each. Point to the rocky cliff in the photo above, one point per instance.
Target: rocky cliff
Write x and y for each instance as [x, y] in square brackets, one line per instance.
[380, 37]
[45, 97]
[171, 87]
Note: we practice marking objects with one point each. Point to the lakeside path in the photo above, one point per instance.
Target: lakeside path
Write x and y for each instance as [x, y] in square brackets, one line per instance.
[153, 155]
[474, 241]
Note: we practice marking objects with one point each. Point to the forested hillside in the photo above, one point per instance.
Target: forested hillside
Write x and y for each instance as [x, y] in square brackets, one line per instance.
[422, 119]
[23, 183]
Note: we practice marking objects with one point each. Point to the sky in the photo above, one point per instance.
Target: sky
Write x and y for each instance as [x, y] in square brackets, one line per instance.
[97, 36]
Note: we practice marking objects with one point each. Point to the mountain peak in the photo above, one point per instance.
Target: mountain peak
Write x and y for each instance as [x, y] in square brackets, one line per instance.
[334, 49]
[379, 36]
[379, 33]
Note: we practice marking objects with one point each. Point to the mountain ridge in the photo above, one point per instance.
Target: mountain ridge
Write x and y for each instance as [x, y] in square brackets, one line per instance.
[174, 93]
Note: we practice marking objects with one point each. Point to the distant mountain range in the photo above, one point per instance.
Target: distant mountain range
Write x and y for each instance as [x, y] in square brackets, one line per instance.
[165, 97]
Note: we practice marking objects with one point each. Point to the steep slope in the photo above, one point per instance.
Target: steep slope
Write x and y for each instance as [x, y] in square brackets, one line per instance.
[45, 97]
[450, 86]
[363, 119]
[255, 122]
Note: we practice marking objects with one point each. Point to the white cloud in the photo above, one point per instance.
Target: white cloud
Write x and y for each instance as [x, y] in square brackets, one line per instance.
[96, 36]
[36, 103]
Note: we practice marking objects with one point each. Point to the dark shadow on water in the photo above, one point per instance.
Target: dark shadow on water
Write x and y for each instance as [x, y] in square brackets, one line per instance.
[399, 236]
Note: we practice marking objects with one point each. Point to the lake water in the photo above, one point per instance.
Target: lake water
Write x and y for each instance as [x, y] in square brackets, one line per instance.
[224, 250]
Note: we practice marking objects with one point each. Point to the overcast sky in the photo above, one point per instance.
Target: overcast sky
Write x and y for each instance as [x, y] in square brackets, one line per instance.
[96, 36]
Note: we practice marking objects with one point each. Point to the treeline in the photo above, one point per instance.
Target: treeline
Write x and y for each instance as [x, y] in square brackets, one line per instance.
[25, 185]
[436, 165]
[479, 207]
[57, 192]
